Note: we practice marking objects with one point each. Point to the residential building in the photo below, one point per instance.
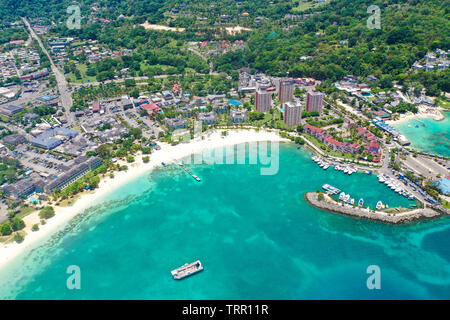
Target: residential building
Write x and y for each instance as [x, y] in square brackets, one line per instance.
[238, 116]
[52, 138]
[176, 123]
[82, 165]
[24, 188]
[263, 100]
[207, 117]
[314, 101]
[10, 110]
[286, 91]
[292, 113]
[126, 103]
[14, 139]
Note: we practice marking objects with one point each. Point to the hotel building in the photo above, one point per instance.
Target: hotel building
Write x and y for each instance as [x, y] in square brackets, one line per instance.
[263, 100]
[292, 113]
[314, 101]
[286, 91]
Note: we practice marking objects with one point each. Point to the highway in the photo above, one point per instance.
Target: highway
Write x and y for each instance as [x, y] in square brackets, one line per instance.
[64, 92]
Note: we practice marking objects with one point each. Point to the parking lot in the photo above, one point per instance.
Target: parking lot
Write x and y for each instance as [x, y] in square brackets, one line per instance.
[426, 167]
[40, 161]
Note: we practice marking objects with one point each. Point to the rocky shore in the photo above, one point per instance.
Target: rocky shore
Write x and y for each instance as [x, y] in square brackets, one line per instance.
[328, 204]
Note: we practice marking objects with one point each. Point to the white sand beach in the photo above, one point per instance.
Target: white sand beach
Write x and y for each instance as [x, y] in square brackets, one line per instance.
[166, 154]
[424, 112]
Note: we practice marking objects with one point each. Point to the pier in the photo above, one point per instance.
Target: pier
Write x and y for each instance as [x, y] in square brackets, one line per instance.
[190, 172]
[330, 205]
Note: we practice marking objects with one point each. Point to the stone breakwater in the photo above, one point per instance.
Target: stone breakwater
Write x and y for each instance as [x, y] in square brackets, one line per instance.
[329, 204]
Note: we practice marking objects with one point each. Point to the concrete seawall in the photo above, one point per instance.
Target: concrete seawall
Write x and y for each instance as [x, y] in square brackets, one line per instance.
[328, 204]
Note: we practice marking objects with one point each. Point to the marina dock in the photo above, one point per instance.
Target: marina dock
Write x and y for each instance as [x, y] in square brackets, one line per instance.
[190, 172]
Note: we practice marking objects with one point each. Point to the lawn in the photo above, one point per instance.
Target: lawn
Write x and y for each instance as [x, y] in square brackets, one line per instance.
[84, 78]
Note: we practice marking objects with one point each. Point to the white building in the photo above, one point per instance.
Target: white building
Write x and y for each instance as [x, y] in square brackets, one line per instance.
[292, 113]
[314, 101]
[263, 100]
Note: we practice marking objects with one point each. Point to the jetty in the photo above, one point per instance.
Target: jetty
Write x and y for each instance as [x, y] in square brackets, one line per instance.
[330, 205]
[190, 172]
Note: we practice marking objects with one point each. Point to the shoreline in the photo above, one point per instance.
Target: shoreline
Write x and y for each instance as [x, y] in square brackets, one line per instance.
[436, 114]
[167, 153]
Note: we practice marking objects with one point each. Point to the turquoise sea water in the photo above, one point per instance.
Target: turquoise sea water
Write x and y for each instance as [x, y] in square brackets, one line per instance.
[428, 135]
[255, 235]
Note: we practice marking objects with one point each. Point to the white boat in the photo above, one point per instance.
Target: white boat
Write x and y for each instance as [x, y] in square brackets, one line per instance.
[352, 201]
[379, 205]
[326, 166]
[361, 202]
[342, 196]
[187, 270]
[347, 197]
[381, 179]
[345, 170]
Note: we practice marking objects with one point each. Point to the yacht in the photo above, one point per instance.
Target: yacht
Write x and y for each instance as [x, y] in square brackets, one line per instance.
[381, 179]
[342, 196]
[379, 205]
[347, 197]
[360, 202]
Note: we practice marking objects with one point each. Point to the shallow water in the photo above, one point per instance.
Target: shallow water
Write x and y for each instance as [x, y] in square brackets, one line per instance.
[427, 135]
[255, 235]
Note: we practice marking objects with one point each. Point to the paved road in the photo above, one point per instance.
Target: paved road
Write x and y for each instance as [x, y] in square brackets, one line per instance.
[211, 66]
[64, 92]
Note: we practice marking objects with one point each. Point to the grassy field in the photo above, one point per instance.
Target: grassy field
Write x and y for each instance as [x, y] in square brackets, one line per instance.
[304, 5]
[84, 78]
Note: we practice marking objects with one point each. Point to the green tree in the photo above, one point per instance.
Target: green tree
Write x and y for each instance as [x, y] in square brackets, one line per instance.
[17, 224]
[47, 212]
[6, 229]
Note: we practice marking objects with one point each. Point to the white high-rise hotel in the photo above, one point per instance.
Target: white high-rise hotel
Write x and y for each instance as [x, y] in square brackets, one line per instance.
[314, 101]
[286, 90]
[292, 113]
[263, 100]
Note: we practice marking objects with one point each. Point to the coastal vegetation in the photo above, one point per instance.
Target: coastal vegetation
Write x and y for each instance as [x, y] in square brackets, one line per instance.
[47, 212]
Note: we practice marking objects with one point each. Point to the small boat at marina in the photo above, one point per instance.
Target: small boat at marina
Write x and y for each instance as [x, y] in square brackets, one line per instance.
[326, 166]
[345, 170]
[163, 164]
[342, 196]
[352, 201]
[381, 179]
[360, 202]
[379, 205]
[330, 189]
[187, 270]
[347, 197]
